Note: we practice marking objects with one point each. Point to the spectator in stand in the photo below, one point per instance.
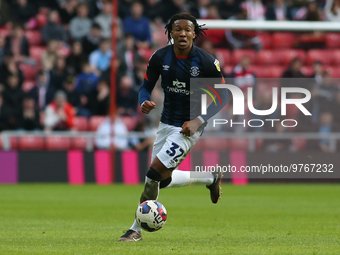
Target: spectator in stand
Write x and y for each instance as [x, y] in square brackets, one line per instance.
[127, 98]
[59, 114]
[127, 55]
[208, 46]
[243, 76]
[153, 9]
[119, 141]
[334, 108]
[124, 8]
[23, 12]
[42, 93]
[310, 12]
[139, 71]
[74, 97]
[175, 6]
[294, 69]
[50, 56]
[326, 92]
[104, 19]
[325, 126]
[87, 80]
[13, 97]
[29, 117]
[59, 73]
[317, 72]
[332, 10]
[52, 30]
[142, 144]
[229, 8]
[75, 59]
[278, 11]
[100, 59]
[203, 8]
[17, 44]
[216, 36]
[99, 100]
[9, 67]
[91, 41]
[253, 9]
[68, 10]
[4, 114]
[2, 49]
[81, 24]
[138, 26]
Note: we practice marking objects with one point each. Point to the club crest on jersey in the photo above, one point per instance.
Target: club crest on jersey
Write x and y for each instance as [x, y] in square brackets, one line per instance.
[217, 64]
[194, 71]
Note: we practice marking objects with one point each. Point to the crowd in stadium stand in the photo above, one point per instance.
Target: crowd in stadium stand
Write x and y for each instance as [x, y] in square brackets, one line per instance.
[55, 57]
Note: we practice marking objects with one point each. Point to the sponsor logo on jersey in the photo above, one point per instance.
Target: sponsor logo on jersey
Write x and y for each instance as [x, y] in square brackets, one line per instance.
[194, 71]
[166, 67]
[179, 87]
[217, 64]
[178, 84]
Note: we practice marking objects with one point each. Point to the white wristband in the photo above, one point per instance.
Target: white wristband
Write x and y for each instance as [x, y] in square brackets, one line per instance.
[201, 119]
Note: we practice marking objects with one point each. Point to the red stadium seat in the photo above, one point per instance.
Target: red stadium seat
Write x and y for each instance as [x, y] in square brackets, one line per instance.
[276, 71]
[146, 53]
[28, 85]
[336, 57]
[36, 52]
[57, 143]
[79, 143]
[266, 40]
[287, 55]
[261, 71]
[28, 71]
[324, 56]
[215, 143]
[334, 71]
[333, 40]
[81, 123]
[130, 122]
[224, 56]
[267, 57]
[64, 51]
[31, 143]
[239, 144]
[307, 70]
[14, 143]
[34, 37]
[228, 69]
[95, 121]
[238, 54]
[283, 40]
[199, 145]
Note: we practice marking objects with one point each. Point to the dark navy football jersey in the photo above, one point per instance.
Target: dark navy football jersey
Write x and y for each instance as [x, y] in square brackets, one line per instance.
[176, 72]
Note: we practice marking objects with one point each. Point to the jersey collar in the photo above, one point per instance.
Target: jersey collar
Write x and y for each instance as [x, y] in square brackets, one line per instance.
[191, 53]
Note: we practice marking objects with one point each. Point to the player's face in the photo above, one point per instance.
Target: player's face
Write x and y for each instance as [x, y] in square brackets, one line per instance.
[183, 34]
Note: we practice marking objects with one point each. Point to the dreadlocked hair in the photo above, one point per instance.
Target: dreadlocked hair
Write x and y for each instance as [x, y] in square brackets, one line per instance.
[199, 30]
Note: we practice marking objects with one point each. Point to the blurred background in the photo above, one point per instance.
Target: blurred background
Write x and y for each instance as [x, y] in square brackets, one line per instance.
[55, 82]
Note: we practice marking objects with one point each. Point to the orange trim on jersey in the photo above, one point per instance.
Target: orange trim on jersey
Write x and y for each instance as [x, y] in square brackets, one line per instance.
[223, 80]
[182, 57]
[146, 77]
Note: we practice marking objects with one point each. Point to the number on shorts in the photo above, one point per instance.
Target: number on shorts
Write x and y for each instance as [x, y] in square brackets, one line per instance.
[172, 151]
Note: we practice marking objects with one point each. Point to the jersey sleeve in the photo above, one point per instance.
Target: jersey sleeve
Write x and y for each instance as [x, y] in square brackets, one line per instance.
[150, 78]
[213, 70]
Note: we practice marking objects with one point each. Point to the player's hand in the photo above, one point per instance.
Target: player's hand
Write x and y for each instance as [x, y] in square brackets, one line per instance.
[190, 127]
[148, 106]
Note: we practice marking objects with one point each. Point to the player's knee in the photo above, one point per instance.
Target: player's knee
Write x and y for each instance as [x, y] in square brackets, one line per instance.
[154, 175]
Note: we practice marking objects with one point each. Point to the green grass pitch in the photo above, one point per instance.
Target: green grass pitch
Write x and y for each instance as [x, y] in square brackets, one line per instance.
[254, 219]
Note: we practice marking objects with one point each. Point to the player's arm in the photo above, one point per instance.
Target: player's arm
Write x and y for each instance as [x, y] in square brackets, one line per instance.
[213, 71]
[150, 78]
